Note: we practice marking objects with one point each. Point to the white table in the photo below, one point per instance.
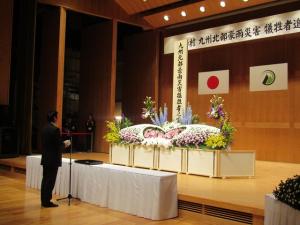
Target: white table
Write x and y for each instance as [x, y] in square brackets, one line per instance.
[34, 174]
[146, 193]
[279, 213]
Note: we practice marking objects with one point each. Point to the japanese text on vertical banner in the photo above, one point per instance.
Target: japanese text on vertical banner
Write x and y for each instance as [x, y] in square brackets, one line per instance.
[179, 79]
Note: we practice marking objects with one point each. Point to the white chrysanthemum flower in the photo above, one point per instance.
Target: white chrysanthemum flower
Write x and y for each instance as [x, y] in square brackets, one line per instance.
[160, 142]
[172, 125]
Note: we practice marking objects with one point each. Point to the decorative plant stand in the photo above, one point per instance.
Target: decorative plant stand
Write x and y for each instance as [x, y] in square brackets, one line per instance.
[235, 164]
[211, 163]
[170, 159]
[221, 163]
[144, 156]
[201, 162]
[120, 154]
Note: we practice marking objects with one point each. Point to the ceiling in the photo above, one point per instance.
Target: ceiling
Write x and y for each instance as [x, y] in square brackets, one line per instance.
[153, 11]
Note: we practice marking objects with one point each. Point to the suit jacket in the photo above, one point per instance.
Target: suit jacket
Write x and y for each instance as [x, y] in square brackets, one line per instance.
[52, 146]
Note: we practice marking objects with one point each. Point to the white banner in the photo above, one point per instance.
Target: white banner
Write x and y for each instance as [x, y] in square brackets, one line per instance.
[179, 79]
[213, 82]
[269, 77]
[265, 27]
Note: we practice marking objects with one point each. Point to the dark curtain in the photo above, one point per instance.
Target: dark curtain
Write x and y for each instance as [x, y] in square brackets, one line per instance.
[24, 26]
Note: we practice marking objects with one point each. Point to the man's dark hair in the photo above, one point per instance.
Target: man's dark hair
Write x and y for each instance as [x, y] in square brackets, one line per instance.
[51, 115]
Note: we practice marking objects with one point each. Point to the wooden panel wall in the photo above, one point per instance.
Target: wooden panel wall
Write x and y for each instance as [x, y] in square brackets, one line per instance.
[267, 122]
[141, 59]
[103, 8]
[50, 92]
[6, 21]
[98, 77]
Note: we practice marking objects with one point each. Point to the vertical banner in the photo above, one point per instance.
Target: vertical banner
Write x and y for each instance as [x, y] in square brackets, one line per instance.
[179, 79]
[269, 77]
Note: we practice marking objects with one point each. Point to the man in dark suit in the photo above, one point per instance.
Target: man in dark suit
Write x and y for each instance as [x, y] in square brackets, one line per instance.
[51, 157]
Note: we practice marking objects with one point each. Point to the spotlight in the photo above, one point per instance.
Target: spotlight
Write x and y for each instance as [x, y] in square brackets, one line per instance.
[222, 4]
[183, 13]
[166, 18]
[202, 9]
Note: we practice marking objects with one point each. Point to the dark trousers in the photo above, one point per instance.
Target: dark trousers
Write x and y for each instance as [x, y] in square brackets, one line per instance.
[88, 143]
[48, 182]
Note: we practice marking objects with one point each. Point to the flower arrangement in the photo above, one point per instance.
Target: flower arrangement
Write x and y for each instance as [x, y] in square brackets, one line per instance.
[216, 110]
[194, 136]
[171, 125]
[149, 109]
[215, 141]
[289, 192]
[161, 118]
[190, 139]
[131, 135]
[218, 113]
[150, 112]
[171, 134]
[159, 141]
[181, 136]
[114, 127]
[112, 134]
[157, 136]
[187, 116]
[153, 133]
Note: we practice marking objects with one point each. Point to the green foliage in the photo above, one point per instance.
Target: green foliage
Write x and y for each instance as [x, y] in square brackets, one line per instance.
[227, 130]
[149, 103]
[149, 109]
[114, 127]
[216, 141]
[124, 122]
[218, 113]
[289, 192]
[195, 119]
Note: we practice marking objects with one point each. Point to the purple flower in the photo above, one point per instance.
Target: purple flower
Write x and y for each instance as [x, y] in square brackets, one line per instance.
[128, 136]
[191, 139]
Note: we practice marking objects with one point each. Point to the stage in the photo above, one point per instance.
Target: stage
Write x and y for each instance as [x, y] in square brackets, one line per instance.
[238, 199]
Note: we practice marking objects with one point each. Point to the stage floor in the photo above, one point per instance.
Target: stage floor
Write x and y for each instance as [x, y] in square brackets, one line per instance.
[241, 194]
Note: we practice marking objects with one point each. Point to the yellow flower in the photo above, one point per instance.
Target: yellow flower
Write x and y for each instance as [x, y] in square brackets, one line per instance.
[216, 141]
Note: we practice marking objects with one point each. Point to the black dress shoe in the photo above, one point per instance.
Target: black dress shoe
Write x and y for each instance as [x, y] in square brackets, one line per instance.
[49, 205]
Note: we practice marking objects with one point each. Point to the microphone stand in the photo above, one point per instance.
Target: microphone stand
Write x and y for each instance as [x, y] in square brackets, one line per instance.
[69, 197]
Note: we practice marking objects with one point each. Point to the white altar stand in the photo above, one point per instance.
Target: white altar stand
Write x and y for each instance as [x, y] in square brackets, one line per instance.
[145, 193]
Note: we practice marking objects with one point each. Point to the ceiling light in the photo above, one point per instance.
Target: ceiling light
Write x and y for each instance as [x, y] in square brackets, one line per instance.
[245, 0]
[202, 9]
[222, 4]
[144, 0]
[166, 18]
[183, 13]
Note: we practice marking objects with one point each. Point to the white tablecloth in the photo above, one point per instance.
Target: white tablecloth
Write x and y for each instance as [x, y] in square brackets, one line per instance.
[146, 193]
[279, 213]
[34, 173]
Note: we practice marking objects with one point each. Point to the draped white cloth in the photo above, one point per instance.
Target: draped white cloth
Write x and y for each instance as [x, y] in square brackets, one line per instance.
[145, 193]
[279, 213]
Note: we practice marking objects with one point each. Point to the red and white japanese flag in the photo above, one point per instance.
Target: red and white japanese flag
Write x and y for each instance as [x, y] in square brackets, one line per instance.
[213, 82]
